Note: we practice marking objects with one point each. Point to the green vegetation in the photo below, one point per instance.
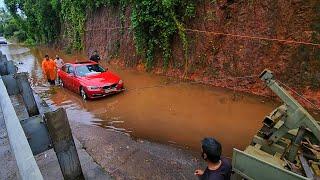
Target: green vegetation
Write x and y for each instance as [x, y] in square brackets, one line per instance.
[38, 19]
[9, 27]
[154, 22]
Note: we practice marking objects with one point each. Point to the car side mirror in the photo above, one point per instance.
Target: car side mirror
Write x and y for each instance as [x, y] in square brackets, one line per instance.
[71, 74]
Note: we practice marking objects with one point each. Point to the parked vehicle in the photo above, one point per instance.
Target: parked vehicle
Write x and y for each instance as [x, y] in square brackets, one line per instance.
[3, 40]
[89, 79]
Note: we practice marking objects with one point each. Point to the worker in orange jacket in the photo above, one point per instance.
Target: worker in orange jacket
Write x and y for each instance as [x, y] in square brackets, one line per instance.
[49, 69]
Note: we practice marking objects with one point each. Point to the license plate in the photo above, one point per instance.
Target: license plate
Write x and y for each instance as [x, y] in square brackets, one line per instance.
[109, 90]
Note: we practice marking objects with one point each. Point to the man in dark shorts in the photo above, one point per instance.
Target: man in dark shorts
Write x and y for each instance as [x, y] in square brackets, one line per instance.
[95, 57]
[218, 168]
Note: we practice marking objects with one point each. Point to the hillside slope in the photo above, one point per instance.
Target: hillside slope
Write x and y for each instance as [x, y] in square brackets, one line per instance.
[216, 59]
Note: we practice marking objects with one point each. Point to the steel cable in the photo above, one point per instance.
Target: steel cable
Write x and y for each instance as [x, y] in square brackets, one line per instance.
[286, 41]
[192, 82]
[299, 95]
[228, 78]
[255, 37]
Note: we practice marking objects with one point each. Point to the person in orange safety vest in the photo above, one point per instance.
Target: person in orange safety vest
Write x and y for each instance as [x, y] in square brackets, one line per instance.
[49, 69]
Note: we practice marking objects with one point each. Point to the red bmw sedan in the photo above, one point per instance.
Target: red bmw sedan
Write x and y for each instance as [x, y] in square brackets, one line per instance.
[89, 79]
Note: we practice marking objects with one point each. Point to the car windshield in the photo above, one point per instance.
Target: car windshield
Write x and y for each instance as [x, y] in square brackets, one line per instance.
[89, 70]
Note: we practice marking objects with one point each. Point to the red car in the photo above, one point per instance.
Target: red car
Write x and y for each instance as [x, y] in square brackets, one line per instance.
[89, 79]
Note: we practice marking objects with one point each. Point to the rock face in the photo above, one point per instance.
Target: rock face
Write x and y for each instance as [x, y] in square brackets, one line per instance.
[212, 57]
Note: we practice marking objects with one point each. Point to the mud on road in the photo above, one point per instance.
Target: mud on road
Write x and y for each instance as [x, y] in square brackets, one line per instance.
[149, 130]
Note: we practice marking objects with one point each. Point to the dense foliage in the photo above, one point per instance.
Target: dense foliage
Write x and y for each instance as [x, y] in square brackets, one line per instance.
[38, 19]
[154, 21]
[9, 27]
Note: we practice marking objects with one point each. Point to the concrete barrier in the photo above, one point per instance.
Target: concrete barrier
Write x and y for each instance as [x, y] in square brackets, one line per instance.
[3, 67]
[11, 68]
[7, 67]
[27, 94]
[14, 84]
[28, 168]
[18, 84]
[11, 84]
[63, 144]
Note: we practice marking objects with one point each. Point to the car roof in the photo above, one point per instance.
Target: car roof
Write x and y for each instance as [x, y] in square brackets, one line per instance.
[82, 63]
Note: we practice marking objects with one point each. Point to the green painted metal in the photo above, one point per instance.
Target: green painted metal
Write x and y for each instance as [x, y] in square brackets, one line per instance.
[296, 115]
[251, 167]
[278, 142]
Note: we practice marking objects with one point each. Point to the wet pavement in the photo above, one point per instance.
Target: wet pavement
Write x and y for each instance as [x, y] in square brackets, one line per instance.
[125, 158]
[8, 164]
[155, 108]
[47, 161]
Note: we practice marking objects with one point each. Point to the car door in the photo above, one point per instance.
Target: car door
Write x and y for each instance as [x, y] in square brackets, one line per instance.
[69, 77]
[76, 81]
[72, 79]
[63, 75]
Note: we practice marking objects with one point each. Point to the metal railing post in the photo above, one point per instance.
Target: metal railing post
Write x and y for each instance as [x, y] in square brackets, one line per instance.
[28, 168]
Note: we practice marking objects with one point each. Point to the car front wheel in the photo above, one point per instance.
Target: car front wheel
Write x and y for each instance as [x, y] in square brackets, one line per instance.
[83, 94]
[60, 82]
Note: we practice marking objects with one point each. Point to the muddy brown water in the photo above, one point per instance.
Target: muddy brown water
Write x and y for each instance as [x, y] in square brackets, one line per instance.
[176, 113]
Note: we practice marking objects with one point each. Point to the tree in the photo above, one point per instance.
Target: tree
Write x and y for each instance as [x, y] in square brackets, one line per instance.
[39, 19]
[4, 17]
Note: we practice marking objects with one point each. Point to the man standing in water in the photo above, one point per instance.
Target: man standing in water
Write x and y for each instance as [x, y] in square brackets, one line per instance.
[95, 57]
[59, 62]
[49, 69]
[218, 168]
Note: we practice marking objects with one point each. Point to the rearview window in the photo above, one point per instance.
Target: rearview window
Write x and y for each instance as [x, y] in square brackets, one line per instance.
[89, 70]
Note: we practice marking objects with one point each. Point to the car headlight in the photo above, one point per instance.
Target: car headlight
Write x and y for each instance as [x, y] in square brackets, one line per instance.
[93, 87]
[120, 82]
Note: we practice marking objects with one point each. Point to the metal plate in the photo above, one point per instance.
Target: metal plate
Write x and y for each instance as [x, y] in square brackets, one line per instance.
[37, 134]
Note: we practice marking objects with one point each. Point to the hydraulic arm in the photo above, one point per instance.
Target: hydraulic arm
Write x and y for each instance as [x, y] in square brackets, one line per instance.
[286, 147]
[293, 116]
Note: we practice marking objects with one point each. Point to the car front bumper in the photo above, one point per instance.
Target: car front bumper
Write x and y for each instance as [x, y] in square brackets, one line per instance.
[102, 93]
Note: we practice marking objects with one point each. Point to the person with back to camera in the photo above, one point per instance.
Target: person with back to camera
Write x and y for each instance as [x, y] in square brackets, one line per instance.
[49, 69]
[218, 168]
[95, 57]
[59, 62]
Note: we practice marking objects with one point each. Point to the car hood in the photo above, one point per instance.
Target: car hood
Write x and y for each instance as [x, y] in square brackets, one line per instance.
[102, 79]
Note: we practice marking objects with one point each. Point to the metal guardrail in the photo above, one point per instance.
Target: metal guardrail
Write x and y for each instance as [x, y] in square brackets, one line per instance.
[28, 168]
[50, 129]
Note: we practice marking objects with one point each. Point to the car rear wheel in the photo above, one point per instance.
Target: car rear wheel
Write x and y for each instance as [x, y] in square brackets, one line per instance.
[83, 94]
[61, 82]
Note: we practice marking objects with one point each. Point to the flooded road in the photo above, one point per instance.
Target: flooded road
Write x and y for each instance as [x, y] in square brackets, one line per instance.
[173, 113]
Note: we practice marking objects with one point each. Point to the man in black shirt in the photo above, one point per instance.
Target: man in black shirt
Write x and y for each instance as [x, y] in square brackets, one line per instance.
[218, 168]
[95, 57]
